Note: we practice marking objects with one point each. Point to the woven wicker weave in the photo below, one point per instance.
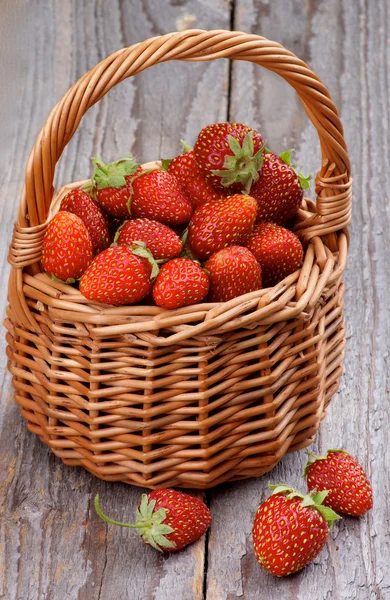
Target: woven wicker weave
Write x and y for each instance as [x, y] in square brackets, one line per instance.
[200, 395]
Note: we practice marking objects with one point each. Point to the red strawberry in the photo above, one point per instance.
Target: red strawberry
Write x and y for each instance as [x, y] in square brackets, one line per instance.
[112, 185]
[220, 223]
[233, 271]
[290, 529]
[192, 180]
[278, 251]
[159, 196]
[160, 239]
[279, 189]
[166, 519]
[67, 247]
[180, 282]
[119, 275]
[349, 489]
[81, 204]
[229, 154]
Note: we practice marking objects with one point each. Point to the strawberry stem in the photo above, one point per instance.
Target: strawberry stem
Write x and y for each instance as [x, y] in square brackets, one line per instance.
[112, 521]
[149, 523]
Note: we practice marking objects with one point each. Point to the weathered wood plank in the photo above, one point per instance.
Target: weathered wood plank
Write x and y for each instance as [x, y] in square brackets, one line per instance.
[345, 44]
[52, 544]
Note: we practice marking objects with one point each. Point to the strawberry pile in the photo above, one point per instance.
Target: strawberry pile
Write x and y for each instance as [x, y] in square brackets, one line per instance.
[210, 224]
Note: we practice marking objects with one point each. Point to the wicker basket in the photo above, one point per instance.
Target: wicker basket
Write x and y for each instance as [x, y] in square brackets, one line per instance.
[200, 395]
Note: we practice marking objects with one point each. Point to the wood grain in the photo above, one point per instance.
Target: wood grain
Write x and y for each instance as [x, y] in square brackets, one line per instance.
[52, 545]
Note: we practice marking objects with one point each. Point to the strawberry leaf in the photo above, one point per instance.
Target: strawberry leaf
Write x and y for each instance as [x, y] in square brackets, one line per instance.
[328, 514]
[303, 180]
[184, 236]
[313, 458]
[186, 147]
[319, 497]
[140, 249]
[235, 146]
[286, 157]
[113, 174]
[165, 162]
[242, 166]
[247, 145]
[312, 500]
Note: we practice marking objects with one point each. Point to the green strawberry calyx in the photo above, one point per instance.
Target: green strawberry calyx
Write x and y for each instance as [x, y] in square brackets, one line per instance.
[243, 166]
[150, 523]
[139, 249]
[313, 500]
[113, 174]
[117, 233]
[165, 162]
[303, 180]
[313, 458]
[186, 147]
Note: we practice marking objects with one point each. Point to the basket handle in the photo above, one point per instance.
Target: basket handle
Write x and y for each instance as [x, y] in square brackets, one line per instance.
[333, 182]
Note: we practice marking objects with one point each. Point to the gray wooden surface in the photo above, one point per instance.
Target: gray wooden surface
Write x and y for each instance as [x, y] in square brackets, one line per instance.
[52, 545]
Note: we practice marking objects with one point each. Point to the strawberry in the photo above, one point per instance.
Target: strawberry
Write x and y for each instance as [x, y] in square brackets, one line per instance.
[220, 223]
[160, 239]
[166, 519]
[229, 154]
[349, 489]
[290, 529]
[279, 189]
[233, 271]
[81, 204]
[112, 185]
[159, 196]
[119, 275]
[67, 247]
[278, 251]
[180, 282]
[192, 180]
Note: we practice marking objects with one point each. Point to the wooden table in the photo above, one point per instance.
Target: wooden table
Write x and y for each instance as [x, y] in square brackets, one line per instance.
[52, 544]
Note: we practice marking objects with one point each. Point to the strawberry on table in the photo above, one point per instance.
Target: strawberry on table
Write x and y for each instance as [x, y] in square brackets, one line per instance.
[159, 196]
[233, 271]
[67, 247]
[290, 529]
[279, 189]
[278, 251]
[166, 519]
[81, 204]
[112, 185]
[229, 154]
[180, 282]
[192, 180]
[220, 223]
[119, 275]
[162, 241]
[349, 489]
